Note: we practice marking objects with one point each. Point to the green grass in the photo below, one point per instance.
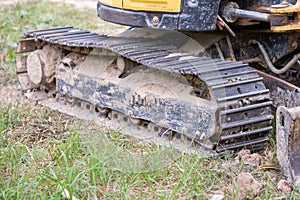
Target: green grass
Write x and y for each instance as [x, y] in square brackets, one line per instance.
[44, 153]
[40, 158]
[21, 17]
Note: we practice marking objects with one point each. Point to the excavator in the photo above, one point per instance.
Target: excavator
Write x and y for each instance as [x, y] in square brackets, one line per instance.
[204, 75]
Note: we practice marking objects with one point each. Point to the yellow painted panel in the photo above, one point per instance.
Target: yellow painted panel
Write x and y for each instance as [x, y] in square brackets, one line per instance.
[285, 10]
[295, 27]
[153, 5]
[112, 3]
[288, 9]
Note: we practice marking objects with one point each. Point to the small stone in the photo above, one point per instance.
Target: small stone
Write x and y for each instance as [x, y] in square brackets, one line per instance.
[217, 197]
[246, 186]
[284, 186]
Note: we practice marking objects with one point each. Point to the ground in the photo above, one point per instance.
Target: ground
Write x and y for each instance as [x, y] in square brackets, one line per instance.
[45, 154]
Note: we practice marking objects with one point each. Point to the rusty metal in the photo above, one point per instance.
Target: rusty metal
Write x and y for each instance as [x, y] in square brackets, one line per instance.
[219, 51]
[288, 143]
[26, 46]
[225, 9]
[286, 97]
[269, 63]
[223, 23]
[282, 17]
[282, 92]
[232, 12]
[232, 56]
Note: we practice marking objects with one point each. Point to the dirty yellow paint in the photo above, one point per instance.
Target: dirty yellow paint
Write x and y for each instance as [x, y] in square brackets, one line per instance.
[153, 5]
[295, 27]
[285, 10]
[146, 5]
[289, 9]
[113, 3]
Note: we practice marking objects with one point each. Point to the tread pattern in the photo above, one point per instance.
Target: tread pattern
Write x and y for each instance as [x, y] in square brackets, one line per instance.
[240, 93]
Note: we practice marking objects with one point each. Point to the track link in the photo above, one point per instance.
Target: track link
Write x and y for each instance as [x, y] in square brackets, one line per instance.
[243, 100]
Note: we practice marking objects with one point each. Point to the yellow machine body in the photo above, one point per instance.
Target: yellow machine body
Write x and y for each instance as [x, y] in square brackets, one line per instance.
[172, 6]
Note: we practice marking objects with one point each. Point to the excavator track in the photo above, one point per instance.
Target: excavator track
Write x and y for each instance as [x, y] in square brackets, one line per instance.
[238, 97]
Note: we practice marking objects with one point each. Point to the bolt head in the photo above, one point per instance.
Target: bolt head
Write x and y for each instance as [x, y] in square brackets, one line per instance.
[155, 20]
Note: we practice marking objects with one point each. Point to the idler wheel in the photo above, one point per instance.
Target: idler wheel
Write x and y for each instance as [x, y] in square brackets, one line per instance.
[41, 65]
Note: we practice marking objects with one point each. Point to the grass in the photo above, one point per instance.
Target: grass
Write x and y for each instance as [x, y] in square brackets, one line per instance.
[41, 157]
[44, 153]
[48, 155]
[18, 18]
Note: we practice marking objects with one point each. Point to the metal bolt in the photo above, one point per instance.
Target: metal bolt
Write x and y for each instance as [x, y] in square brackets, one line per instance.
[295, 45]
[203, 136]
[155, 20]
[240, 103]
[130, 113]
[246, 102]
[228, 119]
[200, 136]
[197, 134]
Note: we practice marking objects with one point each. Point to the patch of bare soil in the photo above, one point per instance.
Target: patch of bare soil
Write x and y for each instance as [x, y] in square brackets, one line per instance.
[9, 91]
[10, 94]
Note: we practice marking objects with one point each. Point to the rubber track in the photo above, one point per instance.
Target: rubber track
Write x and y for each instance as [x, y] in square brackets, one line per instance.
[234, 85]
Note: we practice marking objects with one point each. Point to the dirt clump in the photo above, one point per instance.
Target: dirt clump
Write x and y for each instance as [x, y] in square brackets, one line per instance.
[247, 158]
[245, 186]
